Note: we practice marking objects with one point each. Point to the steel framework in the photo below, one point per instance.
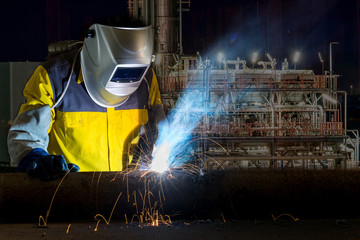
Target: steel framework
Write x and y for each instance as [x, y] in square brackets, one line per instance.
[263, 117]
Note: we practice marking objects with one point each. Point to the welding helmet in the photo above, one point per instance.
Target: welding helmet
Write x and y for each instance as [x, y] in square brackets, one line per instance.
[114, 61]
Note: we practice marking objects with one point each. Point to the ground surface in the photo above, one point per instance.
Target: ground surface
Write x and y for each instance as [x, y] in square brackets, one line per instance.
[282, 228]
[323, 204]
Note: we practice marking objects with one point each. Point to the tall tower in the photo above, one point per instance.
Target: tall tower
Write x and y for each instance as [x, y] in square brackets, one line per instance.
[163, 16]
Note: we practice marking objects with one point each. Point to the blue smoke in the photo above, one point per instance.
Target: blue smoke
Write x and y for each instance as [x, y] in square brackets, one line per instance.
[172, 148]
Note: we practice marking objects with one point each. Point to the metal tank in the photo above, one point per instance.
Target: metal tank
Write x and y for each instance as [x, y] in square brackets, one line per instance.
[166, 23]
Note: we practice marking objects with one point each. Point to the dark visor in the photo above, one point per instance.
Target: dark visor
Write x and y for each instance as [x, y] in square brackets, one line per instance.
[128, 75]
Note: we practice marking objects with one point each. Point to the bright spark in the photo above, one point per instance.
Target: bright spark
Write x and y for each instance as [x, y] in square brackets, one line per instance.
[176, 133]
[172, 144]
[160, 157]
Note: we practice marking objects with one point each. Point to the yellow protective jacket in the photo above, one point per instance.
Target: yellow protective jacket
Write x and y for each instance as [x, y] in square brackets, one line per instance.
[93, 137]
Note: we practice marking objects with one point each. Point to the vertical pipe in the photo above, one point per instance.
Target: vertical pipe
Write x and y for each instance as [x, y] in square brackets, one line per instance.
[273, 110]
[136, 9]
[152, 13]
[166, 25]
[206, 80]
[357, 146]
[130, 8]
[180, 28]
[330, 60]
[145, 11]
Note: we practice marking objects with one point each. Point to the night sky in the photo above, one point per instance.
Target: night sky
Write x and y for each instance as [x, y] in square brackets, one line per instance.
[236, 28]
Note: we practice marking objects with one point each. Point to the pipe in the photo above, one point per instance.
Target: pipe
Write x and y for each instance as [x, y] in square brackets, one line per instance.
[271, 158]
[240, 194]
[180, 28]
[152, 13]
[330, 62]
[271, 104]
[136, 9]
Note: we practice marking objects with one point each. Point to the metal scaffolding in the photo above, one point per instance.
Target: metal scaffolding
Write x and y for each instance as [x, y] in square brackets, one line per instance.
[264, 117]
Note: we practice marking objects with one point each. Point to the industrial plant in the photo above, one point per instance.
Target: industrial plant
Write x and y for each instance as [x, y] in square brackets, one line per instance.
[262, 114]
[129, 132]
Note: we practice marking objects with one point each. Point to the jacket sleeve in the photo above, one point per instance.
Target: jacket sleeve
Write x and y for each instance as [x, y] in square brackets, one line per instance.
[30, 128]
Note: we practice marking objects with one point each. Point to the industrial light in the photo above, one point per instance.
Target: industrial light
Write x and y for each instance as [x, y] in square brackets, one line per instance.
[296, 57]
[220, 57]
[254, 57]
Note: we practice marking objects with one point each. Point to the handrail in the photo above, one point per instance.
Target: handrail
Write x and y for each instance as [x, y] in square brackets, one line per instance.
[241, 81]
[263, 129]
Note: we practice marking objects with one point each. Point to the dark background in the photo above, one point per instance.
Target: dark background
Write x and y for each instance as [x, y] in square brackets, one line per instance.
[234, 27]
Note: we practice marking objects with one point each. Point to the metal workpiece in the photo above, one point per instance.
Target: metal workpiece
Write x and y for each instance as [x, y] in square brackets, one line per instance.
[140, 197]
[82, 196]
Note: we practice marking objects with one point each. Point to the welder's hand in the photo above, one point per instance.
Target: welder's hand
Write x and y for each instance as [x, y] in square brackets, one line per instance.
[40, 164]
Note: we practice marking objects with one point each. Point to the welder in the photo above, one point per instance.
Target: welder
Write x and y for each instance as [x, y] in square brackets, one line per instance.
[87, 108]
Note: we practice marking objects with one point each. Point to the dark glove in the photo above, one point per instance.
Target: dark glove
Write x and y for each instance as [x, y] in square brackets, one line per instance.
[40, 164]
